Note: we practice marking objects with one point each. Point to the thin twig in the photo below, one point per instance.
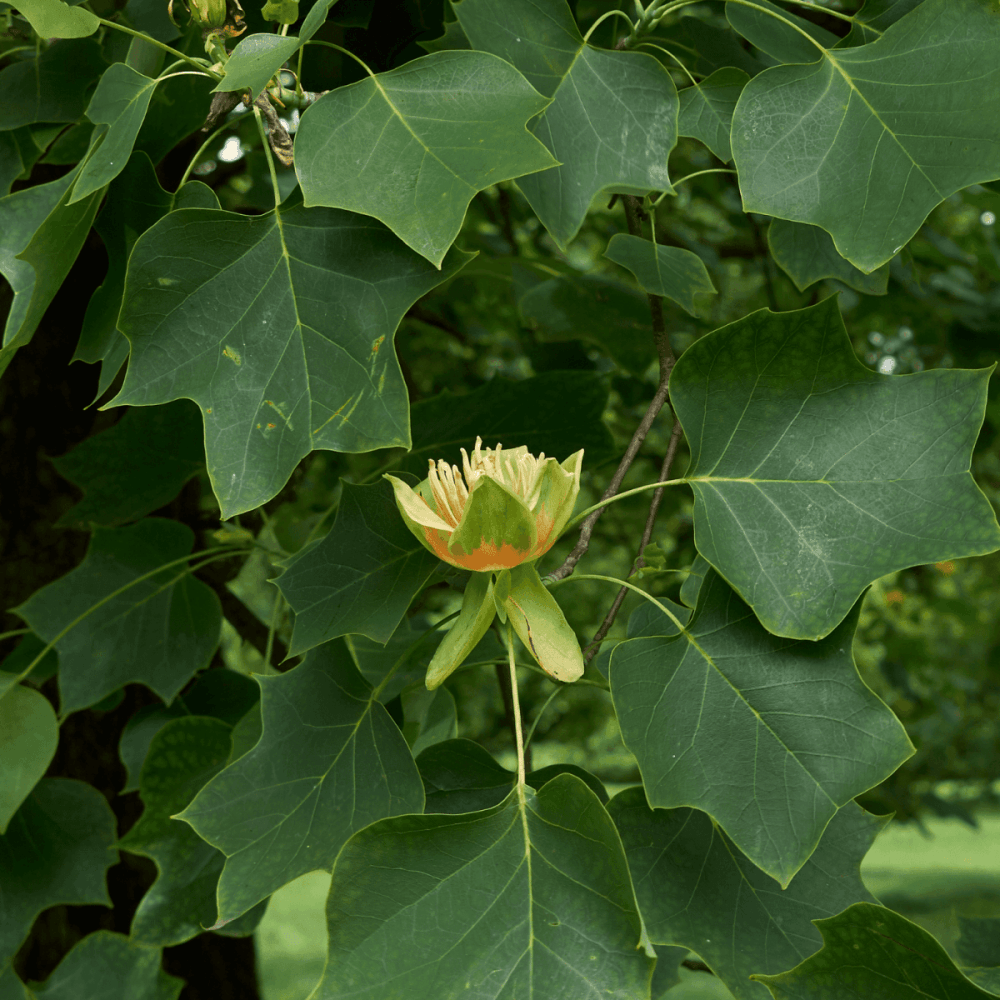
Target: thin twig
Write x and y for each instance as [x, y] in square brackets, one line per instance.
[665, 354]
[647, 534]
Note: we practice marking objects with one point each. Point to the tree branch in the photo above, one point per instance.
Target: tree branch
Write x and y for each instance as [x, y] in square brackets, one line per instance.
[633, 217]
[647, 534]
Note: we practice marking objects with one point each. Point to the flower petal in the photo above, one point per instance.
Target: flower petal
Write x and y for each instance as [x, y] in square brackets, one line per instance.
[541, 626]
[496, 532]
[414, 508]
[558, 486]
[476, 615]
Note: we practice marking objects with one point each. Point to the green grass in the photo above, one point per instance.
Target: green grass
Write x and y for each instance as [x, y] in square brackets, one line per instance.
[929, 880]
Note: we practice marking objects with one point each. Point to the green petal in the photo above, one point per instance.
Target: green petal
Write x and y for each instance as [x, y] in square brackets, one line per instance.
[541, 626]
[496, 532]
[413, 508]
[470, 626]
[560, 486]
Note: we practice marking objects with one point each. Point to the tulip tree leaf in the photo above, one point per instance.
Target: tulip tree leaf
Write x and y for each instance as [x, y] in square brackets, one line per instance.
[218, 693]
[120, 102]
[530, 897]
[56, 19]
[807, 255]
[770, 28]
[460, 776]
[135, 201]
[40, 237]
[30, 735]
[814, 475]
[257, 58]
[979, 941]
[869, 951]
[361, 577]
[414, 146]
[57, 849]
[696, 889]
[793, 707]
[109, 966]
[135, 466]
[613, 119]
[874, 17]
[706, 109]
[159, 631]
[280, 327]
[329, 762]
[668, 271]
[882, 150]
[557, 413]
[180, 904]
[594, 308]
[54, 87]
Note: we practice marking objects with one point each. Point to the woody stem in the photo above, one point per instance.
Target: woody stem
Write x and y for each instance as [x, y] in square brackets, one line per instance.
[664, 352]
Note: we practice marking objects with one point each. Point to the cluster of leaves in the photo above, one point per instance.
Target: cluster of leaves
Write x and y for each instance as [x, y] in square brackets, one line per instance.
[440, 255]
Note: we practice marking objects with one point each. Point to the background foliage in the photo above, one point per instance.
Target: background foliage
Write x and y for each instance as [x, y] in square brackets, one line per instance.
[507, 220]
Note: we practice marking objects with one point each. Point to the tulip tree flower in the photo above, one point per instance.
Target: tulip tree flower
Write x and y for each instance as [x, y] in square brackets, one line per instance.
[495, 516]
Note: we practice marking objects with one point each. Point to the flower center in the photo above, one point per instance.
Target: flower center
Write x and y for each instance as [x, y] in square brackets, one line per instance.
[517, 470]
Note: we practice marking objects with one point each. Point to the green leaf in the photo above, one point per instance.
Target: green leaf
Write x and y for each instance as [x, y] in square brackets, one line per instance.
[219, 693]
[329, 762]
[109, 966]
[594, 308]
[256, 58]
[361, 577]
[453, 38]
[613, 119]
[531, 897]
[18, 155]
[668, 271]
[135, 466]
[395, 665]
[293, 355]
[30, 735]
[40, 237]
[157, 632]
[869, 951]
[769, 737]
[705, 46]
[54, 87]
[459, 776]
[777, 37]
[56, 850]
[881, 153]
[696, 889]
[706, 109]
[414, 146]
[135, 201]
[807, 255]
[557, 413]
[180, 904]
[814, 475]
[431, 717]
[120, 102]
[979, 941]
[55, 19]
[874, 17]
